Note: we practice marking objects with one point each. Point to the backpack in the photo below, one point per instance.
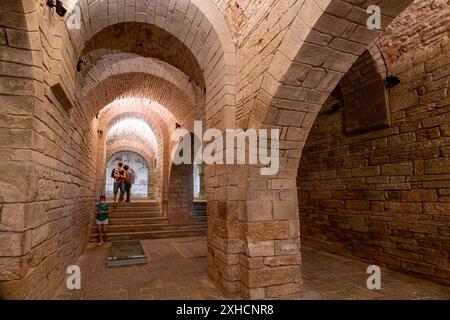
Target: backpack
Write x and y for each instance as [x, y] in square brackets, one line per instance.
[130, 177]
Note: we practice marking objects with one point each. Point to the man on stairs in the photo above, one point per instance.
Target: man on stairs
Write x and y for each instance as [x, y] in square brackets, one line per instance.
[129, 179]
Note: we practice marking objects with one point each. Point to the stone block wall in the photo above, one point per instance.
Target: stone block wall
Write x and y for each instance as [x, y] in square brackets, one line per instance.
[48, 155]
[180, 192]
[383, 196]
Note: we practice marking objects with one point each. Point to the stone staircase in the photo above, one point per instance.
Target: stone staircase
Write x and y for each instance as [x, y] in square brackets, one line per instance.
[143, 220]
[199, 209]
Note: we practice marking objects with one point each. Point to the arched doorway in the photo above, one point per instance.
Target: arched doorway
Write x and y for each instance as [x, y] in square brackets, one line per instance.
[138, 166]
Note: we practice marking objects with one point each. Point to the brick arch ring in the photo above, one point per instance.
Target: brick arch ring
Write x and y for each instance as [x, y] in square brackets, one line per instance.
[199, 25]
[148, 158]
[113, 64]
[156, 121]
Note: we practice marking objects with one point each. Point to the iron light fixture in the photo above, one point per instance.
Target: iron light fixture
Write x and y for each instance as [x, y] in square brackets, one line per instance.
[60, 10]
[79, 64]
[391, 81]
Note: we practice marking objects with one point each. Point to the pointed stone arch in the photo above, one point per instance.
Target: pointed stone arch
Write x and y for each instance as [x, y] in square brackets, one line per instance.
[318, 43]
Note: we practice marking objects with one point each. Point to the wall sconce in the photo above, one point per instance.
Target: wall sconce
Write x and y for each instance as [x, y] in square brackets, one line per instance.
[177, 125]
[391, 81]
[60, 10]
[336, 105]
[100, 132]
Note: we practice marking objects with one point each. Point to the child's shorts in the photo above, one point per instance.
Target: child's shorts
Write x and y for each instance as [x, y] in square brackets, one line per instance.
[102, 222]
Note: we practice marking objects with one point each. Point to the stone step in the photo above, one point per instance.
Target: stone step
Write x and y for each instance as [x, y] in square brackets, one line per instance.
[199, 212]
[151, 235]
[137, 221]
[137, 204]
[151, 227]
[137, 209]
[136, 215]
[199, 209]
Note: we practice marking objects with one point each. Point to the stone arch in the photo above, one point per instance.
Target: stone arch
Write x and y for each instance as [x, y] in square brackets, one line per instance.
[158, 118]
[161, 115]
[153, 126]
[365, 96]
[139, 85]
[161, 154]
[313, 57]
[320, 42]
[113, 64]
[181, 195]
[147, 156]
[143, 40]
[126, 145]
[199, 26]
[378, 59]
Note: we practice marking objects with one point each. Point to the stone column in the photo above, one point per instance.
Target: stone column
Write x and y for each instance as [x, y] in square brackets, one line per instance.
[202, 182]
[224, 246]
[270, 257]
[253, 230]
[101, 164]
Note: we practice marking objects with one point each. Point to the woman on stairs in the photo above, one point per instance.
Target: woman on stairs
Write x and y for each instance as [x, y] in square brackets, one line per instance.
[102, 212]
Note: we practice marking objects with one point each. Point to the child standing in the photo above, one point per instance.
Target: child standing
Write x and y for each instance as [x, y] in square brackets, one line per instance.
[102, 212]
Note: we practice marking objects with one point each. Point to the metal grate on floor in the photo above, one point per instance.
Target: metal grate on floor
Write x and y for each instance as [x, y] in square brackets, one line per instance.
[124, 253]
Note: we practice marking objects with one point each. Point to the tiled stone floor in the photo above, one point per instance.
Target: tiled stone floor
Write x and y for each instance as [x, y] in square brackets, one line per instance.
[168, 275]
[177, 271]
[331, 277]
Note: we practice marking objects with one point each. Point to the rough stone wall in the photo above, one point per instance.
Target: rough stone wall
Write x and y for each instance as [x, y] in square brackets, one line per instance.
[364, 86]
[45, 220]
[242, 255]
[382, 196]
[17, 79]
[180, 192]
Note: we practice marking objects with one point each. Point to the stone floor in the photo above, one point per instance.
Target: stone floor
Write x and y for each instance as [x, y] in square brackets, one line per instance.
[331, 277]
[177, 270]
[170, 274]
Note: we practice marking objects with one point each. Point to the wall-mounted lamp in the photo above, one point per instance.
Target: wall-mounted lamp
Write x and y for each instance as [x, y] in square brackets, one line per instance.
[336, 105]
[100, 132]
[391, 81]
[60, 10]
[79, 64]
[177, 125]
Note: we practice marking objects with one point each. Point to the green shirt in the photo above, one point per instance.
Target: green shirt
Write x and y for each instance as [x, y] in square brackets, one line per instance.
[102, 216]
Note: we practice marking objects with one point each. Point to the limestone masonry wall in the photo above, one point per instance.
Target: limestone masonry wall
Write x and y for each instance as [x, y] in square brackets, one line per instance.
[45, 218]
[384, 196]
[381, 195]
